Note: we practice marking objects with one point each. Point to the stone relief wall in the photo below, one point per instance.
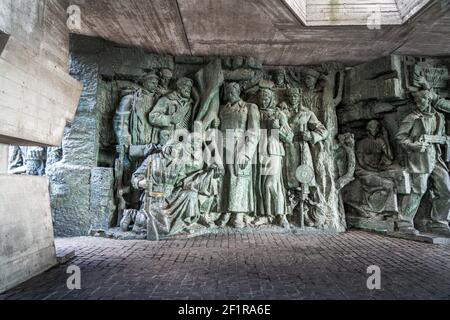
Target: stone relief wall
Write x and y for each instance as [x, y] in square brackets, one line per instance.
[164, 146]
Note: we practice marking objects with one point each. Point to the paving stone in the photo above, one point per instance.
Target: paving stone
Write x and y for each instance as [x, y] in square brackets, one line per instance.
[264, 266]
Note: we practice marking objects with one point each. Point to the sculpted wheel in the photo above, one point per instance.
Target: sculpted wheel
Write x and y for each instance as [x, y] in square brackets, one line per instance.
[304, 174]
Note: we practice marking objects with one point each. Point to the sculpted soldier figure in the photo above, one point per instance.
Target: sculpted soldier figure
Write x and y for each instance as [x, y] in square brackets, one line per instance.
[174, 111]
[311, 98]
[307, 131]
[240, 124]
[175, 181]
[292, 105]
[166, 76]
[279, 78]
[130, 122]
[272, 192]
[420, 135]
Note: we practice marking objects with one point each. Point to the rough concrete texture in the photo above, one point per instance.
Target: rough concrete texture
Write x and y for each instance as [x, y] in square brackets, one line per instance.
[81, 191]
[4, 151]
[26, 232]
[269, 29]
[101, 198]
[247, 266]
[38, 96]
[70, 177]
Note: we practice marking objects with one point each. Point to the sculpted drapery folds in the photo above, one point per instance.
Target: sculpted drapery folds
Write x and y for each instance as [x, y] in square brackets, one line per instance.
[174, 181]
[374, 155]
[240, 125]
[276, 130]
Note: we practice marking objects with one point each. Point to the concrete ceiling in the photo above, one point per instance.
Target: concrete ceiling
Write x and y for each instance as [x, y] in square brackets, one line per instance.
[267, 29]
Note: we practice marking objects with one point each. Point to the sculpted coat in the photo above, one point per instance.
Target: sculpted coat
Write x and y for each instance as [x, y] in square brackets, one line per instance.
[240, 123]
[172, 112]
[300, 150]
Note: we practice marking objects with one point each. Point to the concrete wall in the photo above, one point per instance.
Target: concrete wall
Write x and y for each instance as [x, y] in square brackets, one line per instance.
[4, 150]
[26, 231]
[37, 98]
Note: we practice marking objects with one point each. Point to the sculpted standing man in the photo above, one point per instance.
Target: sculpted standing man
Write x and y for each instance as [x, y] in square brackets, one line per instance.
[419, 136]
[307, 131]
[130, 122]
[311, 97]
[166, 76]
[174, 111]
[240, 124]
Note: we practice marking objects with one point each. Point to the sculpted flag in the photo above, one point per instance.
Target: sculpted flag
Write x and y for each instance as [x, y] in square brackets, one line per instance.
[209, 81]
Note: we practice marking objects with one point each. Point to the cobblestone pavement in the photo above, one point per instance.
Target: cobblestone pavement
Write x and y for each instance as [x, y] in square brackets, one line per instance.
[247, 266]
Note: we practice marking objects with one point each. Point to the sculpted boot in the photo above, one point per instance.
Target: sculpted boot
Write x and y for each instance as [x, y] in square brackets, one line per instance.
[238, 222]
[407, 228]
[440, 229]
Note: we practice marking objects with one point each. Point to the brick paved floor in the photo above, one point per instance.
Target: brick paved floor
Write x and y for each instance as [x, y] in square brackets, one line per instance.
[250, 266]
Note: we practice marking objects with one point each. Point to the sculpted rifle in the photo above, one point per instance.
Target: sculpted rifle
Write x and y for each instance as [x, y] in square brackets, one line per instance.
[440, 140]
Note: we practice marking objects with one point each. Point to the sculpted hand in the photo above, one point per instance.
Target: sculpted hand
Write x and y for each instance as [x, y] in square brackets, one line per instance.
[216, 123]
[242, 161]
[307, 136]
[421, 147]
[276, 124]
[142, 184]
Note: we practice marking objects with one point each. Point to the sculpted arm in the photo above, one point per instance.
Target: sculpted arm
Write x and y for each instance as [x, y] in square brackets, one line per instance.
[252, 134]
[139, 175]
[318, 130]
[403, 136]
[158, 115]
[441, 104]
[121, 121]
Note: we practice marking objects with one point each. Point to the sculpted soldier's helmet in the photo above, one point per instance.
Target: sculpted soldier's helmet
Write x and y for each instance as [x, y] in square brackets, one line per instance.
[183, 81]
[149, 76]
[166, 73]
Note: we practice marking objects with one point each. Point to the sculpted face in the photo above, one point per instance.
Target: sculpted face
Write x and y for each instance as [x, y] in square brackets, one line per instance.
[373, 128]
[279, 79]
[185, 89]
[232, 93]
[423, 102]
[294, 99]
[310, 81]
[151, 84]
[265, 99]
[165, 81]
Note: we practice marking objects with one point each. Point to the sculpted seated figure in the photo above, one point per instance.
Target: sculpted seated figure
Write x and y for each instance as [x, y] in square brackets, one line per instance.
[376, 175]
[174, 182]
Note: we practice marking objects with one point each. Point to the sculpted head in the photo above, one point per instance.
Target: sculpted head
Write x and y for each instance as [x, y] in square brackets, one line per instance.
[311, 77]
[266, 99]
[347, 139]
[423, 100]
[373, 128]
[184, 87]
[166, 77]
[150, 82]
[232, 92]
[294, 96]
[279, 77]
